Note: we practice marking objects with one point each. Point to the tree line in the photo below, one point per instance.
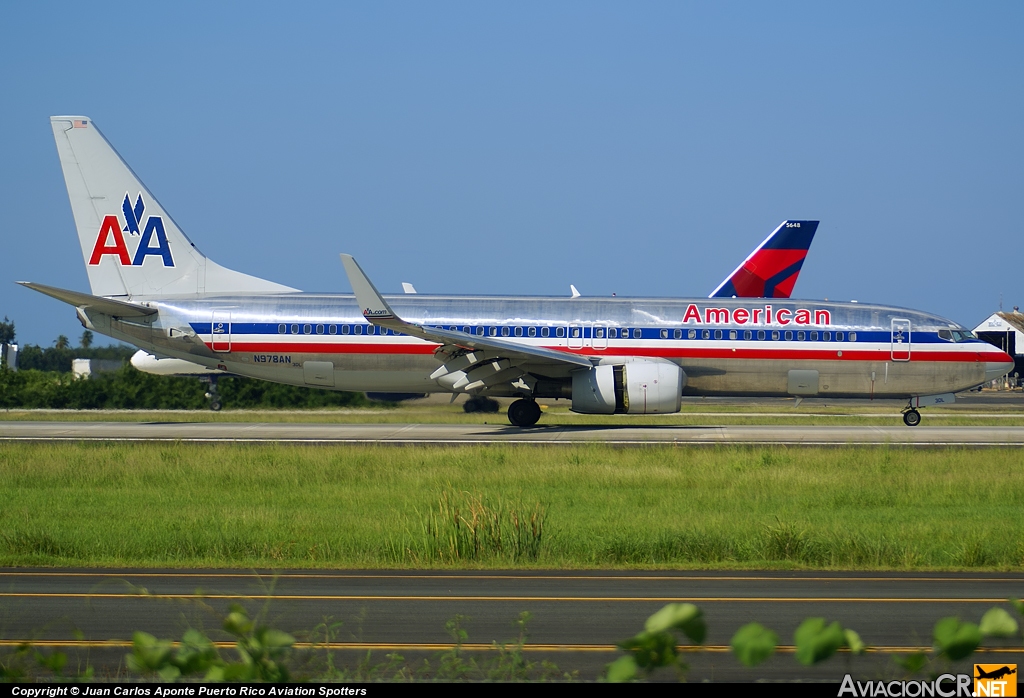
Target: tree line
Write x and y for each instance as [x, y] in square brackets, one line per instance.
[44, 380]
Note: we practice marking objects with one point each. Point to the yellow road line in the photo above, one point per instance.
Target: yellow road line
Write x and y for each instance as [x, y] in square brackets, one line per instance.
[524, 577]
[603, 599]
[469, 646]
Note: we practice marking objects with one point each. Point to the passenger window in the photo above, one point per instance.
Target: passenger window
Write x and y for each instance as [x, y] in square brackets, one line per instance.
[677, 334]
[358, 329]
[814, 336]
[504, 332]
[747, 334]
[827, 336]
[344, 329]
[560, 332]
[800, 335]
[718, 334]
[545, 331]
[519, 332]
[775, 335]
[295, 329]
[612, 332]
[319, 329]
[599, 332]
[692, 334]
[732, 334]
[636, 333]
[706, 334]
[332, 329]
[493, 331]
[789, 335]
[281, 329]
[532, 331]
[839, 336]
[480, 330]
[760, 334]
[853, 336]
[307, 329]
[575, 331]
[664, 334]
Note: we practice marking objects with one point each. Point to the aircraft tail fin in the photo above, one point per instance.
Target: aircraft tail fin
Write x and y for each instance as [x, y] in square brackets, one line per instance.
[771, 270]
[131, 246]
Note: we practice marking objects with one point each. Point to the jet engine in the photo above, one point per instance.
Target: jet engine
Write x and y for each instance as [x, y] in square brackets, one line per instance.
[636, 386]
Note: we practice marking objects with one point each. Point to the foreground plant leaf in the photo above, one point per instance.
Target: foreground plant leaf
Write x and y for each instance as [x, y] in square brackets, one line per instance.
[853, 641]
[652, 650]
[622, 669]
[816, 641]
[754, 643]
[956, 640]
[679, 616]
[997, 623]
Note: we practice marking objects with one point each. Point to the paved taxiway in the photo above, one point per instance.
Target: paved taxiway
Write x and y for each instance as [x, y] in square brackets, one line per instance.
[576, 616]
[500, 433]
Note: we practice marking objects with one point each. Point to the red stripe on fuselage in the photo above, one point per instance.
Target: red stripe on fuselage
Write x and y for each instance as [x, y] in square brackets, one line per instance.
[880, 354]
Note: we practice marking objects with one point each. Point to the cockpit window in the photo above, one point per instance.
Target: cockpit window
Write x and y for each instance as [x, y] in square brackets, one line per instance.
[946, 335]
[963, 335]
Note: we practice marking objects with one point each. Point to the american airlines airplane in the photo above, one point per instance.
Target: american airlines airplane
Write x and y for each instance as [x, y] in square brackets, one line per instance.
[153, 288]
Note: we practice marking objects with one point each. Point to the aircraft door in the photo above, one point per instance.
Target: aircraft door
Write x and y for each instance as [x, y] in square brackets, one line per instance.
[575, 335]
[220, 331]
[599, 336]
[900, 347]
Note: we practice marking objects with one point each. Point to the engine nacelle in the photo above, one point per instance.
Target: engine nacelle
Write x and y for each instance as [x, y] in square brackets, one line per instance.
[636, 386]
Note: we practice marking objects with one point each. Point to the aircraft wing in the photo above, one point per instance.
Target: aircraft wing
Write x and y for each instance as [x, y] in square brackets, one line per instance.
[107, 306]
[377, 311]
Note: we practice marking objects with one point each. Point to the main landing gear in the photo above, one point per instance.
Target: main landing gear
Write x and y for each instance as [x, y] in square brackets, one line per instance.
[911, 417]
[524, 412]
[211, 394]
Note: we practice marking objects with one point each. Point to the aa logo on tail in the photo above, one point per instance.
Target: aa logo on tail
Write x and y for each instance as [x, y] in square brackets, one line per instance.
[110, 239]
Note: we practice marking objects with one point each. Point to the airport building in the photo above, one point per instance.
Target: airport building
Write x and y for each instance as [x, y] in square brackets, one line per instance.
[1006, 331]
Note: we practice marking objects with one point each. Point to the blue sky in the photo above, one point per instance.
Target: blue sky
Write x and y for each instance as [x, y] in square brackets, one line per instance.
[636, 148]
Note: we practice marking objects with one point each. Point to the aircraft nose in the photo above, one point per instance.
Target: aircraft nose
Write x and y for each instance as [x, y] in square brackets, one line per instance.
[998, 369]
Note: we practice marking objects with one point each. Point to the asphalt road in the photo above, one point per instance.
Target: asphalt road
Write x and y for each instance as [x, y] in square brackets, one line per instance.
[500, 433]
[576, 616]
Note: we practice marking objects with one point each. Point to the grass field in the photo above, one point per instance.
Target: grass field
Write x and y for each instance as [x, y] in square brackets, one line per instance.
[507, 506]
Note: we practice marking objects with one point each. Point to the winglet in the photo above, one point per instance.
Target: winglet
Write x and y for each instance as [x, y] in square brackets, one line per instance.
[373, 304]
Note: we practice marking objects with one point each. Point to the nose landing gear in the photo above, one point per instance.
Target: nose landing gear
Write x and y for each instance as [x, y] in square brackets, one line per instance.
[911, 417]
[524, 412]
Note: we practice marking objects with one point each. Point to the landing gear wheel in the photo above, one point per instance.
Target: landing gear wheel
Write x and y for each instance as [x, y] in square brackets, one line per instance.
[212, 395]
[911, 418]
[524, 413]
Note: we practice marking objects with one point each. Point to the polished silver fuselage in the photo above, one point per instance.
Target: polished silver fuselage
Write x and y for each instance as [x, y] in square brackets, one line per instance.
[858, 350]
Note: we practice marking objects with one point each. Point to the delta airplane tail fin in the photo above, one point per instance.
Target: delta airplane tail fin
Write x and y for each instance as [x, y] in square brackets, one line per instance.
[131, 246]
[772, 268]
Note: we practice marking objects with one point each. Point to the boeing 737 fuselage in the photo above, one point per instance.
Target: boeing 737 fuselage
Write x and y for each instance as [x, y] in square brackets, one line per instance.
[153, 288]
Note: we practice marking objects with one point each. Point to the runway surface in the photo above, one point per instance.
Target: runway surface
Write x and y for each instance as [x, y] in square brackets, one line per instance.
[577, 617]
[500, 433]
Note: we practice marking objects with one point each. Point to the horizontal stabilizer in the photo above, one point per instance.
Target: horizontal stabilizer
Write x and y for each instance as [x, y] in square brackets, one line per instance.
[107, 306]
